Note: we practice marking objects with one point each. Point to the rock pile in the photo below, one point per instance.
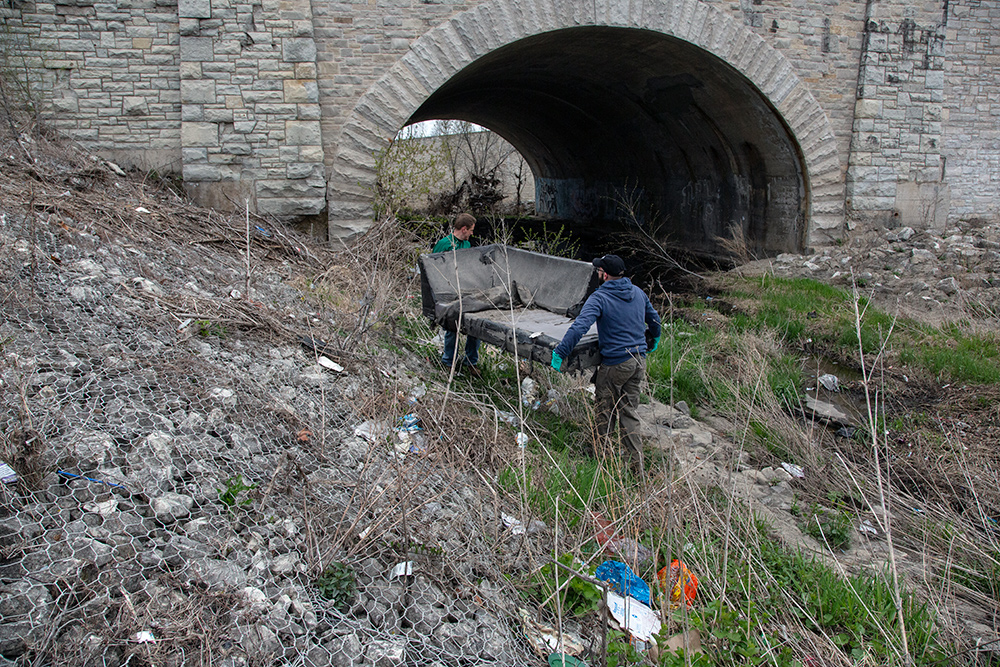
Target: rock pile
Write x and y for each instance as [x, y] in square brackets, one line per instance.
[184, 485]
[932, 275]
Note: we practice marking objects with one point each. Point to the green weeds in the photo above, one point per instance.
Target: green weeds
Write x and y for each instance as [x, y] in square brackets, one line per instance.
[830, 527]
[575, 482]
[695, 361]
[578, 597]
[338, 584]
[561, 433]
[680, 367]
[785, 379]
[235, 487]
[769, 586]
[768, 438]
[206, 328]
[955, 355]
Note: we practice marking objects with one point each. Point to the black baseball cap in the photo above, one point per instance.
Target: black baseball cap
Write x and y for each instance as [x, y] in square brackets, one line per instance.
[612, 265]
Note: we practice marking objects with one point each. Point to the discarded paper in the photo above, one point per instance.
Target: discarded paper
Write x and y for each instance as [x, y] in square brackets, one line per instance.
[545, 639]
[639, 619]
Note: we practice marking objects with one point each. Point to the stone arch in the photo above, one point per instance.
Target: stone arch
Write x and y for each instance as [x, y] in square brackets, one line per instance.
[447, 49]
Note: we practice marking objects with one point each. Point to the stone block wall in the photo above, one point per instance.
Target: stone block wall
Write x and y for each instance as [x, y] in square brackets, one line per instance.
[971, 110]
[895, 173]
[249, 99]
[103, 73]
[250, 115]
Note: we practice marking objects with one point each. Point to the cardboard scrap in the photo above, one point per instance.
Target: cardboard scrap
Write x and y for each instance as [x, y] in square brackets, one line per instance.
[676, 643]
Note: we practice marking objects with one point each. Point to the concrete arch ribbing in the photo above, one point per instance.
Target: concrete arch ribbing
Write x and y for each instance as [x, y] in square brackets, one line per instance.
[446, 49]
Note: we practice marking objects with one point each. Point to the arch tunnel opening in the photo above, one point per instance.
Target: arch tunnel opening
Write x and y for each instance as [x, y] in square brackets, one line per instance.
[628, 126]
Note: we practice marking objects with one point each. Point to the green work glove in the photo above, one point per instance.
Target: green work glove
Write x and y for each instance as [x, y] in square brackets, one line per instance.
[556, 361]
[656, 344]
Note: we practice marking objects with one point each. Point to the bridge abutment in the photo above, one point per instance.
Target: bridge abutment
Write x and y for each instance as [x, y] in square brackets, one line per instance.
[876, 113]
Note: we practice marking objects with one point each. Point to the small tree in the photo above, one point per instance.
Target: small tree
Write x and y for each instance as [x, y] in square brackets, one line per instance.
[475, 161]
[405, 172]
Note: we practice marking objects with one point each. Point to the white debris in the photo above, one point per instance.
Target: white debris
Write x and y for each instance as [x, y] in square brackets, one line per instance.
[401, 570]
[330, 364]
[515, 525]
[793, 470]
[829, 381]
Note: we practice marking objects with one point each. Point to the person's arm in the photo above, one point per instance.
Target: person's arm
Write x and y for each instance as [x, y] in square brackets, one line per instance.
[588, 315]
[653, 328]
[652, 320]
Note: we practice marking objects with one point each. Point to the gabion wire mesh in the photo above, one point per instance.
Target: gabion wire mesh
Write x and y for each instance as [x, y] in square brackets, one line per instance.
[186, 477]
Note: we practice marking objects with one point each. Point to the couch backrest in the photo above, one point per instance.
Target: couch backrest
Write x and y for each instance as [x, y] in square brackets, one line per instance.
[556, 284]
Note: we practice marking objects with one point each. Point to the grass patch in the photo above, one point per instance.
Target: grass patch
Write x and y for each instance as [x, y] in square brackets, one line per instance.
[767, 584]
[958, 356]
[802, 310]
[832, 528]
[761, 434]
[417, 336]
[679, 367]
[578, 483]
[560, 433]
[785, 378]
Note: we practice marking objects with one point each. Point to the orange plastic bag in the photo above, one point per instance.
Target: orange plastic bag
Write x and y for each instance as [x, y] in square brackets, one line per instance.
[682, 580]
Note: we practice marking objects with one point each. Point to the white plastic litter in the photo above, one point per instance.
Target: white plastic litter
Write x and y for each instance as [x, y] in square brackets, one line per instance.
[372, 431]
[106, 508]
[829, 381]
[522, 439]
[330, 364]
[417, 393]
[506, 417]
[410, 443]
[515, 525]
[404, 569]
[7, 474]
[527, 391]
[144, 637]
[867, 527]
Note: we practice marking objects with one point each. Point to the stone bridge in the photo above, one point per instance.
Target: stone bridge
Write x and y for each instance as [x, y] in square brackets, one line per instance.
[785, 120]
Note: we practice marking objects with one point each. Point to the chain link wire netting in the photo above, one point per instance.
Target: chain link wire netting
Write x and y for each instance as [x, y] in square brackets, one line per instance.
[188, 485]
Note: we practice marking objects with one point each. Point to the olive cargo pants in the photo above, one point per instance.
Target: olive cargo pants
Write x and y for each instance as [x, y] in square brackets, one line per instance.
[616, 397]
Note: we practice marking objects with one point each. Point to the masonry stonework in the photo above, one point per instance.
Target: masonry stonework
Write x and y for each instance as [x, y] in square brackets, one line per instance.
[282, 103]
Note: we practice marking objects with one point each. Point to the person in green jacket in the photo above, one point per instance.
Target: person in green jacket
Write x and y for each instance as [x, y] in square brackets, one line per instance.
[462, 230]
[465, 225]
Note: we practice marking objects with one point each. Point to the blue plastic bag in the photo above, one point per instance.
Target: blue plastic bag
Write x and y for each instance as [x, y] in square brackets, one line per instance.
[623, 580]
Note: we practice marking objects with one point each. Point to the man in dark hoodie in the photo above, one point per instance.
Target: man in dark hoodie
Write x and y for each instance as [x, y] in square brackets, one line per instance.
[623, 314]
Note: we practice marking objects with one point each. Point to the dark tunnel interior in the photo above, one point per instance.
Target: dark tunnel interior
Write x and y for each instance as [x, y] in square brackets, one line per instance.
[617, 119]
